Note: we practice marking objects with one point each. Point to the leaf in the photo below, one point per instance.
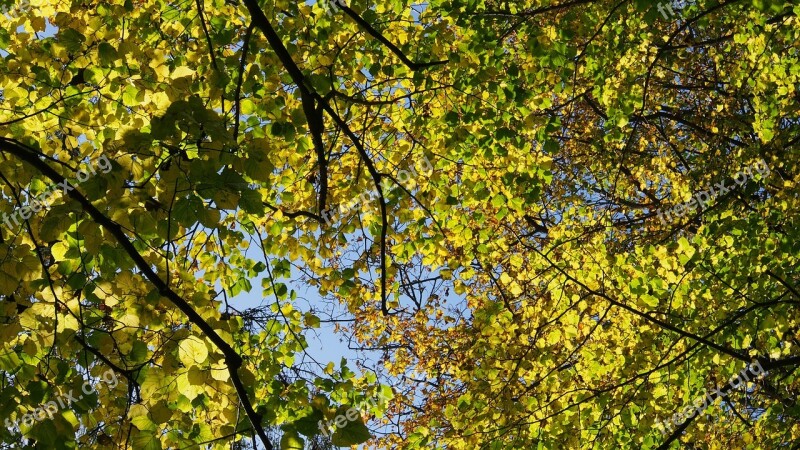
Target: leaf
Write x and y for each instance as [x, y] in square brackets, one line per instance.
[354, 433]
[192, 351]
[132, 96]
[182, 71]
[106, 53]
[145, 440]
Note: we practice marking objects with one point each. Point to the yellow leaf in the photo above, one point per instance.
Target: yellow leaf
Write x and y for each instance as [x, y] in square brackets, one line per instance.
[192, 351]
[68, 322]
[59, 250]
[182, 71]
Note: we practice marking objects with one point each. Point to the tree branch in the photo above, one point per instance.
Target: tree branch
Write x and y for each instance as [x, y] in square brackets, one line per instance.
[377, 35]
[232, 359]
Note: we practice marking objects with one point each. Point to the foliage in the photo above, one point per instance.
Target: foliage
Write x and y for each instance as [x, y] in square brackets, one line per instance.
[520, 291]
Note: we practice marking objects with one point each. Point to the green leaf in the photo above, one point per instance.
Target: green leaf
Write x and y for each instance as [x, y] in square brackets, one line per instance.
[309, 425]
[132, 96]
[354, 433]
[107, 53]
[145, 440]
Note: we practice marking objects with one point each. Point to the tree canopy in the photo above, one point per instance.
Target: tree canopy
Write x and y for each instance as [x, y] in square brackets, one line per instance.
[553, 223]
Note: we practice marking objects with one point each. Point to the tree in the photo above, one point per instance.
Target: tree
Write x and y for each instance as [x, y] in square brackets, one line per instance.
[558, 224]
